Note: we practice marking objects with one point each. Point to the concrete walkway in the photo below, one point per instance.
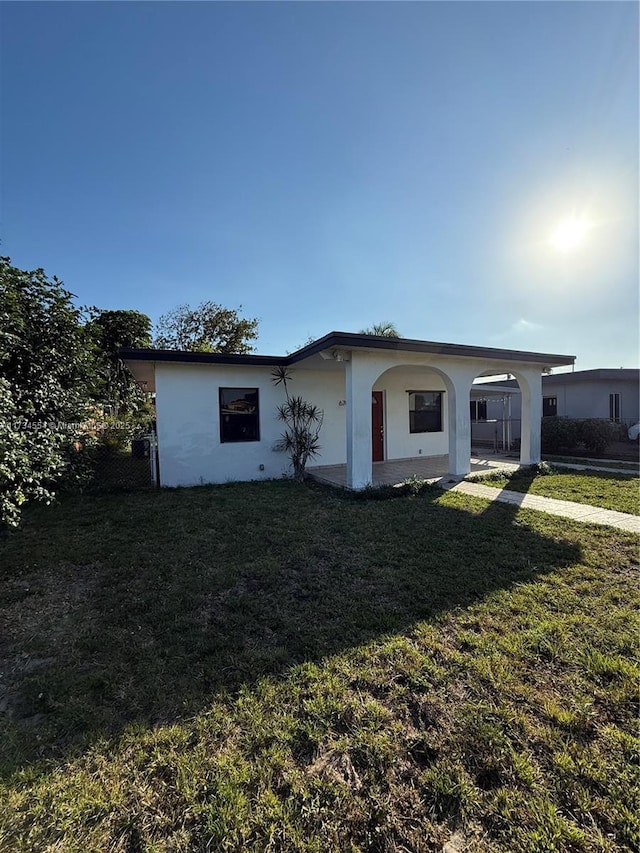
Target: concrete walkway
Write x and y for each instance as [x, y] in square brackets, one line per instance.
[630, 472]
[566, 509]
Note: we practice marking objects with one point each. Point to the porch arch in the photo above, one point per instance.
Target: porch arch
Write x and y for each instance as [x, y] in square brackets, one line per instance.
[363, 374]
[529, 380]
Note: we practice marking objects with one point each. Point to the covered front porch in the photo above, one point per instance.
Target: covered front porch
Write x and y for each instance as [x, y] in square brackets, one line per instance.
[409, 414]
[392, 472]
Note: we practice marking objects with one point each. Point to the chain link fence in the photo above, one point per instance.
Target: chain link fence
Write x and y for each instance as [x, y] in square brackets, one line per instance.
[131, 468]
[503, 436]
[498, 435]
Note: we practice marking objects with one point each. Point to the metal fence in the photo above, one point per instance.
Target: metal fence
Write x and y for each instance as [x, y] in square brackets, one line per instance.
[500, 434]
[503, 435]
[126, 469]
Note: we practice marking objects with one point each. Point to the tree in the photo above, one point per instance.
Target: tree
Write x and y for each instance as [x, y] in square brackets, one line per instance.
[303, 420]
[109, 332]
[46, 373]
[309, 340]
[383, 330]
[207, 328]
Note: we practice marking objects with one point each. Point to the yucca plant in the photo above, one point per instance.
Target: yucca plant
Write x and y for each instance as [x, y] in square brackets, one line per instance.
[303, 420]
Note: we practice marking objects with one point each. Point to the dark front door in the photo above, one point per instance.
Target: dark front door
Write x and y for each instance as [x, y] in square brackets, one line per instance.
[377, 426]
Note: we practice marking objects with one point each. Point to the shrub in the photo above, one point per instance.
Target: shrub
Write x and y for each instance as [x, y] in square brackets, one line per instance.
[412, 487]
[542, 469]
[566, 434]
[116, 433]
[559, 434]
[596, 434]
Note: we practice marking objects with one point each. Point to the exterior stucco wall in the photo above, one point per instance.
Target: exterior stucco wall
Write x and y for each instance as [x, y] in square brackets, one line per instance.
[366, 370]
[587, 399]
[399, 442]
[188, 419]
[591, 399]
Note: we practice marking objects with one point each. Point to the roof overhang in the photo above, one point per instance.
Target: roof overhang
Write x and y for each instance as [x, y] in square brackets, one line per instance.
[482, 389]
[331, 350]
[349, 340]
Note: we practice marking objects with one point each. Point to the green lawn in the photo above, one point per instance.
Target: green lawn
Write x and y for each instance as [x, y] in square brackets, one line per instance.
[280, 667]
[620, 492]
[631, 467]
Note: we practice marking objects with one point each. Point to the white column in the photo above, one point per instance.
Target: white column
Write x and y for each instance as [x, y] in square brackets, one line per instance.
[530, 382]
[458, 394]
[359, 381]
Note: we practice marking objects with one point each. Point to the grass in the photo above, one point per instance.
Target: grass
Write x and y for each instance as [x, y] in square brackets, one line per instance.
[626, 465]
[619, 492]
[278, 667]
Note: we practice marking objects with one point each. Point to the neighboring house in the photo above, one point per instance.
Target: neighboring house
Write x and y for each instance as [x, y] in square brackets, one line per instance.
[383, 399]
[608, 393]
[490, 409]
[603, 393]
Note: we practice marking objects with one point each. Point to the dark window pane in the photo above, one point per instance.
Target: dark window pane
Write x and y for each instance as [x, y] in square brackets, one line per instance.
[239, 414]
[614, 407]
[478, 410]
[425, 411]
[549, 407]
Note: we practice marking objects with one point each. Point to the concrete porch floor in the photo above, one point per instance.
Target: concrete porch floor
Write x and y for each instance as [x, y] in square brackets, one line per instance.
[391, 472]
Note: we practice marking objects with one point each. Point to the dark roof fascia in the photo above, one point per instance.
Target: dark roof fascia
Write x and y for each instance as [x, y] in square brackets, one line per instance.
[597, 374]
[201, 357]
[348, 340]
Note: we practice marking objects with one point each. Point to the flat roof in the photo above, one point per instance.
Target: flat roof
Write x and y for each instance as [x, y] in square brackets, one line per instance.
[348, 340]
[629, 374]
[608, 374]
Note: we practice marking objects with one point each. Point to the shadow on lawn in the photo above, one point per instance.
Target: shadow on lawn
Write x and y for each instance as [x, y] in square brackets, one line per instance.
[145, 607]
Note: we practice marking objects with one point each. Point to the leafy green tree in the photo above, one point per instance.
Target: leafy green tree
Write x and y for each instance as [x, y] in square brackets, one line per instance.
[207, 328]
[383, 330]
[46, 375]
[110, 331]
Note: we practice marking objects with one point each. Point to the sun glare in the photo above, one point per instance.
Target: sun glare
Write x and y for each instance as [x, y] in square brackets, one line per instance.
[571, 233]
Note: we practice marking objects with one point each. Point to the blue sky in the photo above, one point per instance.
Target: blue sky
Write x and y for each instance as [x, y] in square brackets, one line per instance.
[330, 165]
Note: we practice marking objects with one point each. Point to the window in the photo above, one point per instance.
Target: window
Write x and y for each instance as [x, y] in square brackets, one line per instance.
[425, 411]
[614, 407]
[239, 414]
[549, 407]
[478, 410]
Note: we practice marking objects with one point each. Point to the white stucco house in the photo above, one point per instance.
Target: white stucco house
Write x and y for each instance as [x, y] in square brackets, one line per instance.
[383, 399]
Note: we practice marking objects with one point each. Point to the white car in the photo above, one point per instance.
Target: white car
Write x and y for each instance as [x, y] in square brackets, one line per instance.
[634, 432]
